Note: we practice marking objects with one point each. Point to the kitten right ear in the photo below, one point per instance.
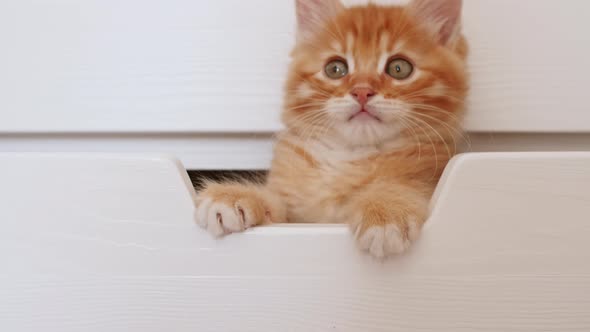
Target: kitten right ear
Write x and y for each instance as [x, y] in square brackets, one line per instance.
[441, 17]
[312, 16]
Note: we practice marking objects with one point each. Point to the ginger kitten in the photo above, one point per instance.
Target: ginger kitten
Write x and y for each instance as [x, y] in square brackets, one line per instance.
[373, 106]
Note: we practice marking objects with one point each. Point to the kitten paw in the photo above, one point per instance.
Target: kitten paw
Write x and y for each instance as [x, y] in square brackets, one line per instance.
[386, 239]
[225, 209]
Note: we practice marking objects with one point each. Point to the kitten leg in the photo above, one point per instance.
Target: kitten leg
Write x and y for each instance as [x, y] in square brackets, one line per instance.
[385, 222]
[234, 207]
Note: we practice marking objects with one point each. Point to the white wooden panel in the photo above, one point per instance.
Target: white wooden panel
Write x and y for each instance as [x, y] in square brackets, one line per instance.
[136, 65]
[251, 151]
[218, 66]
[108, 244]
[530, 64]
[197, 152]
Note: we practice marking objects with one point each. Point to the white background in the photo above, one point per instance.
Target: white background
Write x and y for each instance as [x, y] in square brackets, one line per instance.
[132, 76]
[506, 249]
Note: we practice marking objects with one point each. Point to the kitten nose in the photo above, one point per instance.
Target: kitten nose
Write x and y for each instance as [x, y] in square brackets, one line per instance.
[362, 95]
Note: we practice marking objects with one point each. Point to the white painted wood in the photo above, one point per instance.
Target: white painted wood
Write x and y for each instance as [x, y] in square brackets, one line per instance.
[108, 244]
[217, 66]
[252, 151]
[530, 62]
[142, 66]
[197, 152]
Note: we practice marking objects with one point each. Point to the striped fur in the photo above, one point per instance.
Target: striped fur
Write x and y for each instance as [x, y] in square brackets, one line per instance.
[377, 175]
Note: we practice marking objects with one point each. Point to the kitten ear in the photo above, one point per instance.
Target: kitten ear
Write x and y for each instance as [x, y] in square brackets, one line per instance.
[441, 17]
[312, 15]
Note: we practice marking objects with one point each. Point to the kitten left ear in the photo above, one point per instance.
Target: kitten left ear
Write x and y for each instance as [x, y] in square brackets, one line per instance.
[441, 17]
[313, 15]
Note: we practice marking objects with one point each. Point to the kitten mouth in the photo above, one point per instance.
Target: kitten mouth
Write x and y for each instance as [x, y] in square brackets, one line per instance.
[364, 114]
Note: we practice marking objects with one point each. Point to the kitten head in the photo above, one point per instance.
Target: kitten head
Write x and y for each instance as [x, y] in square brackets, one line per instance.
[372, 74]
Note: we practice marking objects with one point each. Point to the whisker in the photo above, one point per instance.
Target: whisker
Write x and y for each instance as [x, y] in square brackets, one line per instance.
[424, 93]
[446, 113]
[405, 125]
[442, 140]
[296, 91]
[434, 150]
[452, 130]
[302, 106]
[446, 126]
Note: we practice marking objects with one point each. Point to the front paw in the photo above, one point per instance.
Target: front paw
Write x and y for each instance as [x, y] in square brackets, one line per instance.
[383, 234]
[230, 208]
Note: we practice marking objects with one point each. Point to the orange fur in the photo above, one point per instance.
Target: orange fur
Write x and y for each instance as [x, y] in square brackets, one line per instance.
[243, 206]
[378, 176]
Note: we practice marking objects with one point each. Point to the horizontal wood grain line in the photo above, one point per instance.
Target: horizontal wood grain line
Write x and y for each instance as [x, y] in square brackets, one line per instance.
[247, 151]
[84, 246]
[218, 66]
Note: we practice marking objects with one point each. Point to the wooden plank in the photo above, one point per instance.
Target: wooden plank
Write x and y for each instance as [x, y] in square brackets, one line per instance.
[251, 151]
[196, 151]
[108, 243]
[190, 66]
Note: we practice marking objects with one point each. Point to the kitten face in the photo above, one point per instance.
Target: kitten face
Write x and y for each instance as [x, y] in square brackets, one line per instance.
[373, 74]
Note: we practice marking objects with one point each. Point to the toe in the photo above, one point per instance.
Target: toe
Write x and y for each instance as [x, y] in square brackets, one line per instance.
[394, 240]
[215, 220]
[413, 229]
[232, 221]
[202, 212]
[383, 241]
[377, 245]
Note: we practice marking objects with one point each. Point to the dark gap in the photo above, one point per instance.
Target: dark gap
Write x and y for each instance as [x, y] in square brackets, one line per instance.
[197, 177]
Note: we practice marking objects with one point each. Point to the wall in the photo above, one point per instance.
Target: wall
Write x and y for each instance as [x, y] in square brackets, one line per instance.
[143, 76]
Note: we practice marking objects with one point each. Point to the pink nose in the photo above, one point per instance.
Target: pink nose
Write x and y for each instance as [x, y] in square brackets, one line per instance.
[362, 95]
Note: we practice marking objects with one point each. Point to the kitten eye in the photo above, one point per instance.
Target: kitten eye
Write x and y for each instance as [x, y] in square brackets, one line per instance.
[336, 69]
[400, 69]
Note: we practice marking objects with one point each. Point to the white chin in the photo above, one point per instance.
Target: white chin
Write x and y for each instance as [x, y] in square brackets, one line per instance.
[367, 132]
